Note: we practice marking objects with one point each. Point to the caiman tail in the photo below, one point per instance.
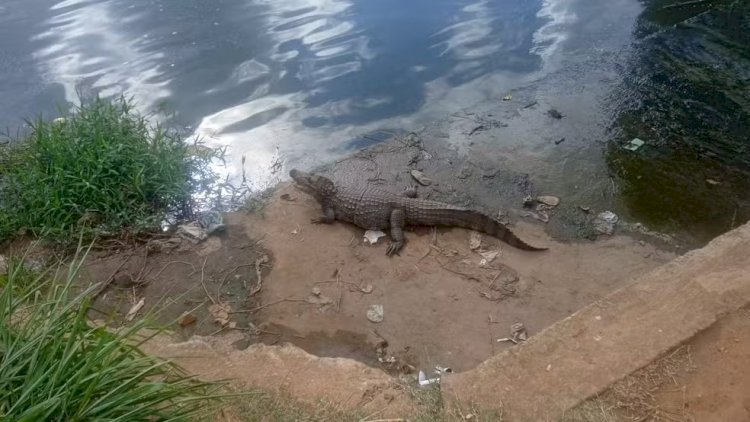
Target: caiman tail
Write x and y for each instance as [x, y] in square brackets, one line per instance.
[475, 220]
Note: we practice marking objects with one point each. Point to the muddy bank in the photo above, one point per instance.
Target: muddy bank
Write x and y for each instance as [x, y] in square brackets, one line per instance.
[442, 306]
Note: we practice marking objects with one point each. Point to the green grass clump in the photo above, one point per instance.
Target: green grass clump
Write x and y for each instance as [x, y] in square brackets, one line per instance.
[55, 365]
[101, 169]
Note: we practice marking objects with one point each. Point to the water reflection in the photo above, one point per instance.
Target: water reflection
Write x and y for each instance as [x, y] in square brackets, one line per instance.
[305, 78]
[89, 47]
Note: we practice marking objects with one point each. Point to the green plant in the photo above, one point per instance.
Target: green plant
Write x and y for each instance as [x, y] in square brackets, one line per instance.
[102, 169]
[56, 365]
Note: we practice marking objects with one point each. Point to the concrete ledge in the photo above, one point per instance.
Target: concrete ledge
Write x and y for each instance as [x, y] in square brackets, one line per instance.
[581, 355]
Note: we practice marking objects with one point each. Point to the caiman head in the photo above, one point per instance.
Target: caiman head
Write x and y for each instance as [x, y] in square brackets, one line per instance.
[318, 186]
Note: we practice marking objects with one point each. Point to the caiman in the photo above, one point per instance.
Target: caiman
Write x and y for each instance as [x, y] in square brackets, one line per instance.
[375, 209]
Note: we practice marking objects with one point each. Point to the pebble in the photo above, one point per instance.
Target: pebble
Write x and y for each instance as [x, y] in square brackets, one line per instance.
[605, 222]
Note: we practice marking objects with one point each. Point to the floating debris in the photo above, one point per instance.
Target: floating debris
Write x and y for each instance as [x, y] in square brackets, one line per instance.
[375, 313]
[555, 114]
[559, 141]
[634, 144]
[507, 97]
[531, 104]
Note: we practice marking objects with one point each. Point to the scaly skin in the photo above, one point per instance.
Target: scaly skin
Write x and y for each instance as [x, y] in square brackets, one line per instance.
[375, 209]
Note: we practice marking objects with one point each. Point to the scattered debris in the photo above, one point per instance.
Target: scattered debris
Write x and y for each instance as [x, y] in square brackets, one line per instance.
[187, 319]
[605, 222]
[712, 182]
[259, 285]
[518, 332]
[192, 232]
[634, 144]
[548, 200]
[134, 310]
[475, 240]
[441, 370]
[375, 313]
[488, 257]
[540, 215]
[372, 236]
[559, 141]
[507, 97]
[421, 178]
[555, 114]
[220, 311]
[424, 381]
[528, 201]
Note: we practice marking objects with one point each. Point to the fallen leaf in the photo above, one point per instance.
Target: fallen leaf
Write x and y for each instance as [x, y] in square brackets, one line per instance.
[187, 319]
[220, 312]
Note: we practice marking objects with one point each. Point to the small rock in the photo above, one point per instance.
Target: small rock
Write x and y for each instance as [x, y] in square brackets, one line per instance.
[642, 243]
[549, 200]
[605, 222]
[421, 178]
[584, 209]
[367, 289]
[316, 291]
[528, 201]
[375, 313]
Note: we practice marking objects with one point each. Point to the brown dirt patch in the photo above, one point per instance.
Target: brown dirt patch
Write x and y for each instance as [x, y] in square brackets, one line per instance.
[440, 306]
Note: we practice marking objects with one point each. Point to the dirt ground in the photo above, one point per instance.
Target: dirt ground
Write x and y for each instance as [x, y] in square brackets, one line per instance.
[441, 307]
[706, 379]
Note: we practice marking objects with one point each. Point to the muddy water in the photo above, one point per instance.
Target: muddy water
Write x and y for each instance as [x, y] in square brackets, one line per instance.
[304, 83]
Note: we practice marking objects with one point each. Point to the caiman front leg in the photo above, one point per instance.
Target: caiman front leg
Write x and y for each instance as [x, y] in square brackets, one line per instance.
[328, 217]
[398, 221]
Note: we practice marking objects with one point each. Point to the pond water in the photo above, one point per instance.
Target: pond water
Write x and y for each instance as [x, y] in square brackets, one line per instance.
[305, 82]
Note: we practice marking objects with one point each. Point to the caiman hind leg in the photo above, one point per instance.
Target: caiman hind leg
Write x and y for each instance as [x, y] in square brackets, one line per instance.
[328, 217]
[398, 221]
